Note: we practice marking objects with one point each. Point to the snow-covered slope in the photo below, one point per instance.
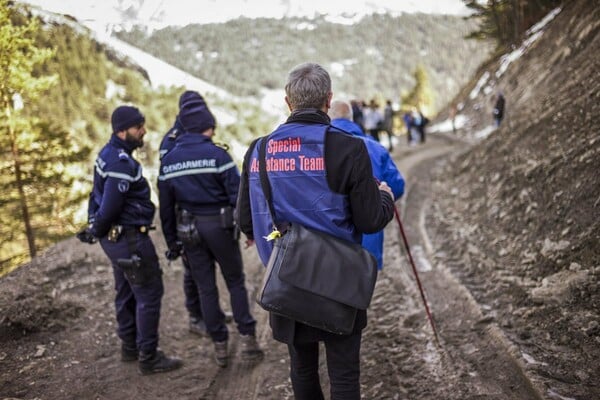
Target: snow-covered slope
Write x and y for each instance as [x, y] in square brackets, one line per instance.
[164, 74]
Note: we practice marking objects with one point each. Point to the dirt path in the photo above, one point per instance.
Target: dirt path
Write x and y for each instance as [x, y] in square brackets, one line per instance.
[57, 337]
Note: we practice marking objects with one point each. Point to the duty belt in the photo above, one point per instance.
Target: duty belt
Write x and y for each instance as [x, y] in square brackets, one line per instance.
[206, 218]
[139, 228]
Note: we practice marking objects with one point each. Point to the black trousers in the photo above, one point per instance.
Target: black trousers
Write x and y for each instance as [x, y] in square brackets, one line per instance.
[137, 305]
[190, 290]
[343, 367]
[218, 245]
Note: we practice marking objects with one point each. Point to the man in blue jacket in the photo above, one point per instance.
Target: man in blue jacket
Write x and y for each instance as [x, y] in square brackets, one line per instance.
[120, 215]
[198, 187]
[320, 178]
[383, 166]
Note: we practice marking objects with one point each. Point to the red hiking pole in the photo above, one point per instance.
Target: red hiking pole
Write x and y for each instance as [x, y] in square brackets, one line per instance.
[414, 268]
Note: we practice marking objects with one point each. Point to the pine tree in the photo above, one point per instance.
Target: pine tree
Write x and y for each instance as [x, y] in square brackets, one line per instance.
[421, 95]
[34, 171]
[506, 21]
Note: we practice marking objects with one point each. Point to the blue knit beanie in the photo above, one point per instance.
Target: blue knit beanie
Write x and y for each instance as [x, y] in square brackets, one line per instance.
[195, 116]
[189, 97]
[124, 117]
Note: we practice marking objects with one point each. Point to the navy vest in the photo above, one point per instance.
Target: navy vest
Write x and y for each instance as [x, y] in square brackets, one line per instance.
[295, 158]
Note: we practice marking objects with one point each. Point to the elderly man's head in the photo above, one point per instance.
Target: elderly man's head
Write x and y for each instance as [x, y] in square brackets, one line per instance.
[308, 86]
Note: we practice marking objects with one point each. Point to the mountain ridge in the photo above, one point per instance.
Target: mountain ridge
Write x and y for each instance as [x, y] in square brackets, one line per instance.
[374, 58]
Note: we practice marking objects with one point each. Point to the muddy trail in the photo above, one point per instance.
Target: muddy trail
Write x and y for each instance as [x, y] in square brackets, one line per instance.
[57, 328]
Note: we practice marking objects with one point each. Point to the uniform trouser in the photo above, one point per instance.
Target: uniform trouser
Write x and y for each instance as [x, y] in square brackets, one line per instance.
[190, 290]
[343, 367]
[137, 305]
[217, 244]
[390, 134]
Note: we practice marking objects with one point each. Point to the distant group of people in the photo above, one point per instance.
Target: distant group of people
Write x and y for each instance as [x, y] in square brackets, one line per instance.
[372, 121]
[203, 201]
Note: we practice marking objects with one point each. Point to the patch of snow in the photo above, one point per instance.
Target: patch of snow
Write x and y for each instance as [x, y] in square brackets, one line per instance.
[555, 395]
[485, 132]
[112, 90]
[305, 26]
[446, 125]
[273, 102]
[534, 33]
[421, 261]
[544, 21]
[157, 14]
[345, 19]
[164, 74]
[531, 360]
[337, 69]
[482, 81]
[507, 59]
[237, 149]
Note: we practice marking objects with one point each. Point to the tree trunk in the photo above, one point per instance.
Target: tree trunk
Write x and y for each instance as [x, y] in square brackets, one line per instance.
[20, 188]
[496, 18]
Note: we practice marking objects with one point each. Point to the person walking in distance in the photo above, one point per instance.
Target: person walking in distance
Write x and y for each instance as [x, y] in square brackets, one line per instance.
[388, 123]
[498, 111]
[120, 215]
[198, 186]
[407, 118]
[383, 166]
[325, 182]
[373, 120]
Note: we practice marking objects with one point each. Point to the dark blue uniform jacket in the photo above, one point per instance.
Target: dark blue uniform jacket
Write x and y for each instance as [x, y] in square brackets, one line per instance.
[168, 141]
[197, 176]
[121, 195]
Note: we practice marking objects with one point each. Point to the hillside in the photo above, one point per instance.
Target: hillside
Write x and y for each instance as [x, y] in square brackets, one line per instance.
[94, 74]
[375, 57]
[519, 213]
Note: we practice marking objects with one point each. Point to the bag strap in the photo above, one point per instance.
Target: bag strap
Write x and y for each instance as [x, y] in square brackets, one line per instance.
[264, 177]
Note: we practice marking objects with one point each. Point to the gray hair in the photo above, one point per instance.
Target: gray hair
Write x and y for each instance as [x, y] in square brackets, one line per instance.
[340, 109]
[308, 86]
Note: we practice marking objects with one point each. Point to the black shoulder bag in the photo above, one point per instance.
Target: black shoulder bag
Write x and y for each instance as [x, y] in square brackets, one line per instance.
[313, 277]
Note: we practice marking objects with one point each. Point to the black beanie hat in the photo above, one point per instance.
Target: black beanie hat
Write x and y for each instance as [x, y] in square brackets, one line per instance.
[190, 96]
[195, 116]
[125, 117]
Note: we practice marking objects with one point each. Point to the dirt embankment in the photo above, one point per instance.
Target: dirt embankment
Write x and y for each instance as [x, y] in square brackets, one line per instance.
[518, 216]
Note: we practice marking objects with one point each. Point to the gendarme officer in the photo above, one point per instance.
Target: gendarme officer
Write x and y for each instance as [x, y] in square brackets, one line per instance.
[120, 214]
[190, 289]
[198, 187]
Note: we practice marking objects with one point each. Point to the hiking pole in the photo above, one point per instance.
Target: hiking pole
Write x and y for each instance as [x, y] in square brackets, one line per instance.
[414, 268]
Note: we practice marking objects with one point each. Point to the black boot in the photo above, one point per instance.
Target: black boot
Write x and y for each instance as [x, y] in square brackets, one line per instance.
[151, 363]
[221, 356]
[251, 351]
[198, 326]
[129, 352]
